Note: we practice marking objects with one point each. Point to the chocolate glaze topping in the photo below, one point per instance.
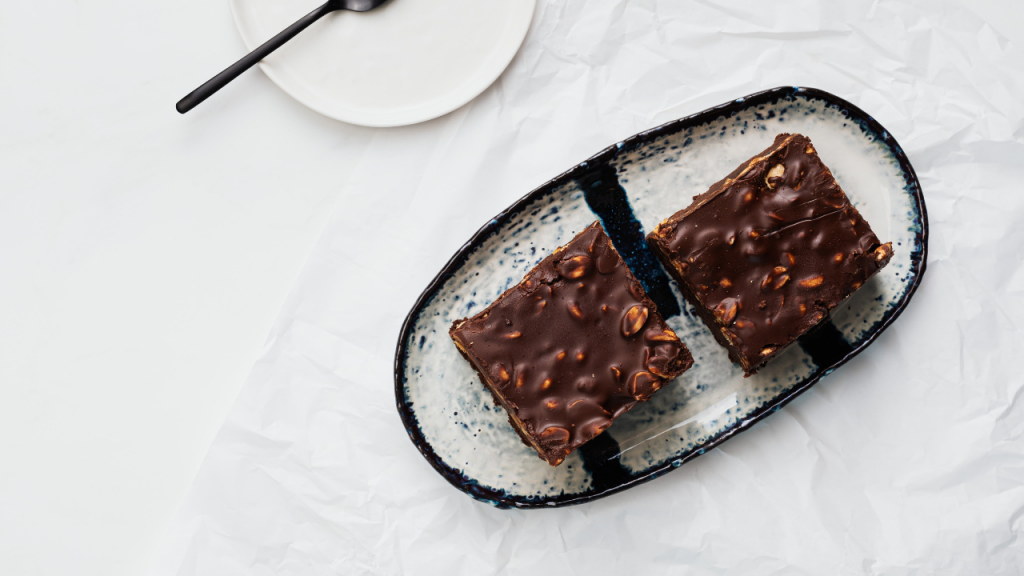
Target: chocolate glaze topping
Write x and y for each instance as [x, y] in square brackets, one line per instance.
[767, 252]
[574, 345]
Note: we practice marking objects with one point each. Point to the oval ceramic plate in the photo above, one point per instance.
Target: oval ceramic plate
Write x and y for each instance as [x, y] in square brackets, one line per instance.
[406, 62]
[630, 187]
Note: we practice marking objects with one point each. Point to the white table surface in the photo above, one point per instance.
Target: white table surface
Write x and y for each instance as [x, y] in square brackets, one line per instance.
[145, 256]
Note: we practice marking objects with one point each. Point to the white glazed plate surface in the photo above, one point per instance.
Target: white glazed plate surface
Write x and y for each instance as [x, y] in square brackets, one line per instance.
[406, 62]
[631, 187]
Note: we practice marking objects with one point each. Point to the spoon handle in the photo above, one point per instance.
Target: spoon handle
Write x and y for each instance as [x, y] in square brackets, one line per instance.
[231, 72]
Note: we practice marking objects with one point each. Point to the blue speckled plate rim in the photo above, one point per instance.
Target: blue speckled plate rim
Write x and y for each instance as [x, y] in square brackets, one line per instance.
[500, 498]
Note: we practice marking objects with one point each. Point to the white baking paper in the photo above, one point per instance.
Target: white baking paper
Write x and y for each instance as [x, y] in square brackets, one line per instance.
[907, 460]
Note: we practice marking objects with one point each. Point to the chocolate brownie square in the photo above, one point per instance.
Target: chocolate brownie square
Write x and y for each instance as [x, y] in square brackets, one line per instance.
[766, 253]
[573, 346]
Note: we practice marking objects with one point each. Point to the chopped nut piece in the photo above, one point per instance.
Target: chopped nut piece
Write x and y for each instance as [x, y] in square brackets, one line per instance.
[726, 310]
[643, 383]
[775, 176]
[812, 282]
[555, 434]
[634, 320]
[660, 335]
[575, 267]
[881, 253]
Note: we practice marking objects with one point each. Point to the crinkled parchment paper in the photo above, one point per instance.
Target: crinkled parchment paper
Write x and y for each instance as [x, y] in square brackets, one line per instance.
[908, 460]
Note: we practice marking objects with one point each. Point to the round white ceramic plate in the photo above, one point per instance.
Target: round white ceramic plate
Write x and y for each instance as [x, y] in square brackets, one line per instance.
[406, 62]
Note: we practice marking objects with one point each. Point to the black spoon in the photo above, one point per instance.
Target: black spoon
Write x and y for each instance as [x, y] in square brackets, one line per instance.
[220, 80]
